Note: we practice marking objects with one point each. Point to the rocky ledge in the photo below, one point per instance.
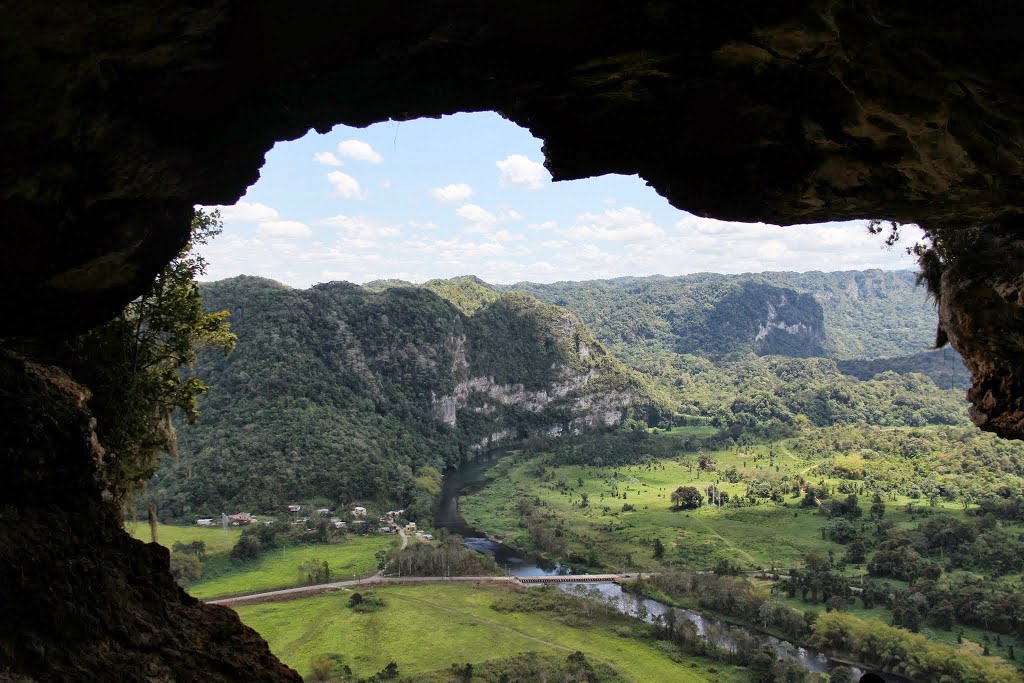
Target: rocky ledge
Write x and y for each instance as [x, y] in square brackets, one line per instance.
[83, 601]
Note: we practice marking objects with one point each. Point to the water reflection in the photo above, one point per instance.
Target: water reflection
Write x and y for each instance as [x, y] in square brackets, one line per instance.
[717, 632]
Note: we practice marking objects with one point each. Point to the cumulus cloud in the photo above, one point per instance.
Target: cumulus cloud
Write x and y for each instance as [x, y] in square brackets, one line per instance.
[327, 159]
[519, 171]
[454, 193]
[245, 212]
[362, 227]
[345, 185]
[357, 149]
[546, 225]
[284, 229]
[616, 225]
[476, 214]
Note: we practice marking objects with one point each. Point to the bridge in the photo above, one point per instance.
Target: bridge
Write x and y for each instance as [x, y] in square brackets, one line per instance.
[576, 578]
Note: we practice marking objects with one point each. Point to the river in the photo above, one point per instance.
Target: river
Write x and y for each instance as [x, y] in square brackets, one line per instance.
[473, 476]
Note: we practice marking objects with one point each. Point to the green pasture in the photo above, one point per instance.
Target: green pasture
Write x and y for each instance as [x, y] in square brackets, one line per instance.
[279, 567]
[426, 628]
[168, 534]
[759, 536]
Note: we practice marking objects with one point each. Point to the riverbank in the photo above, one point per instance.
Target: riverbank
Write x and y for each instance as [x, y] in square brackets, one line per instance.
[895, 654]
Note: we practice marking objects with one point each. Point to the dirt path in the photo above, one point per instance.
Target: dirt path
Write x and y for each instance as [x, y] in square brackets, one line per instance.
[405, 543]
[726, 541]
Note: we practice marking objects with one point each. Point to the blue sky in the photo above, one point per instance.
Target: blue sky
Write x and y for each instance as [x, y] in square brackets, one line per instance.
[468, 194]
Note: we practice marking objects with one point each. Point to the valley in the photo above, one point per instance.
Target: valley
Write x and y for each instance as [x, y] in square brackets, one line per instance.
[741, 442]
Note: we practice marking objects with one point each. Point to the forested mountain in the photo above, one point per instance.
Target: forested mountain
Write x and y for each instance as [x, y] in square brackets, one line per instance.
[845, 315]
[342, 392]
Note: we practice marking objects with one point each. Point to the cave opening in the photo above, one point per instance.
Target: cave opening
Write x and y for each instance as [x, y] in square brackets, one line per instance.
[467, 194]
[119, 118]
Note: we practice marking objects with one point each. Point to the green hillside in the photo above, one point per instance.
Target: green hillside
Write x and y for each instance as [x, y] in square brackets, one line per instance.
[342, 392]
[853, 314]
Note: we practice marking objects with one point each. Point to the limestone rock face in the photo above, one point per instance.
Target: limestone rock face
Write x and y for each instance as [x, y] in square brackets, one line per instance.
[84, 601]
[981, 312]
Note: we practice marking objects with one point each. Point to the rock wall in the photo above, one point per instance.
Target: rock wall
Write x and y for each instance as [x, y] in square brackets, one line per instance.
[82, 600]
[446, 407]
[979, 287]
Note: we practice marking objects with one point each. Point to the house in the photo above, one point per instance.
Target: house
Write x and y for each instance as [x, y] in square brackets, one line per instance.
[338, 524]
[323, 511]
[384, 530]
[358, 511]
[206, 521]
[411, 526]
[294, 508]
[241, 518]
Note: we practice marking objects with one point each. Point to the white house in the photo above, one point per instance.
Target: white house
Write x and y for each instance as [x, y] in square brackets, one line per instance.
[206, 521]
[294, 508]
[358, 511]
[323, 511]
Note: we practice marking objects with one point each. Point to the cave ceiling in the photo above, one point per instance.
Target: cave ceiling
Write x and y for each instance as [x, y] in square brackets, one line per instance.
[118, 117]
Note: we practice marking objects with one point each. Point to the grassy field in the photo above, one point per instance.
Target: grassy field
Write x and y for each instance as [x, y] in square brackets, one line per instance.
[279, 568]
[274, 569]
[424, 628]
[168, 534]
[765, 535]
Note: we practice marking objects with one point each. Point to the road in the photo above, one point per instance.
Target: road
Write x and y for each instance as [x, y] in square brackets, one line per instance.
[379, 580]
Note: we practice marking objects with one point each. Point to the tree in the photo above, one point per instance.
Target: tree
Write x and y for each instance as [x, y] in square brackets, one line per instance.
[659, 549]
[877, 508]
[810, 497]
[197, 548]
[133, 364]
[686, 498]
[247, 548]
[185, 568]
[856, 551]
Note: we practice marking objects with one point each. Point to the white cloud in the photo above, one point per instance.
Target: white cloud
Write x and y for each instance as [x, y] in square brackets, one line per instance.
[519, 171]
[386, 184]
[627, 224]
[477, 214]
[454, 193]
[345, 185]
[546, 225]
[428, 225]
[362, 227]
[244, 212]
[357, 149]
[554, 244]
[507, 236]
[327, 159]
[284, 229]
